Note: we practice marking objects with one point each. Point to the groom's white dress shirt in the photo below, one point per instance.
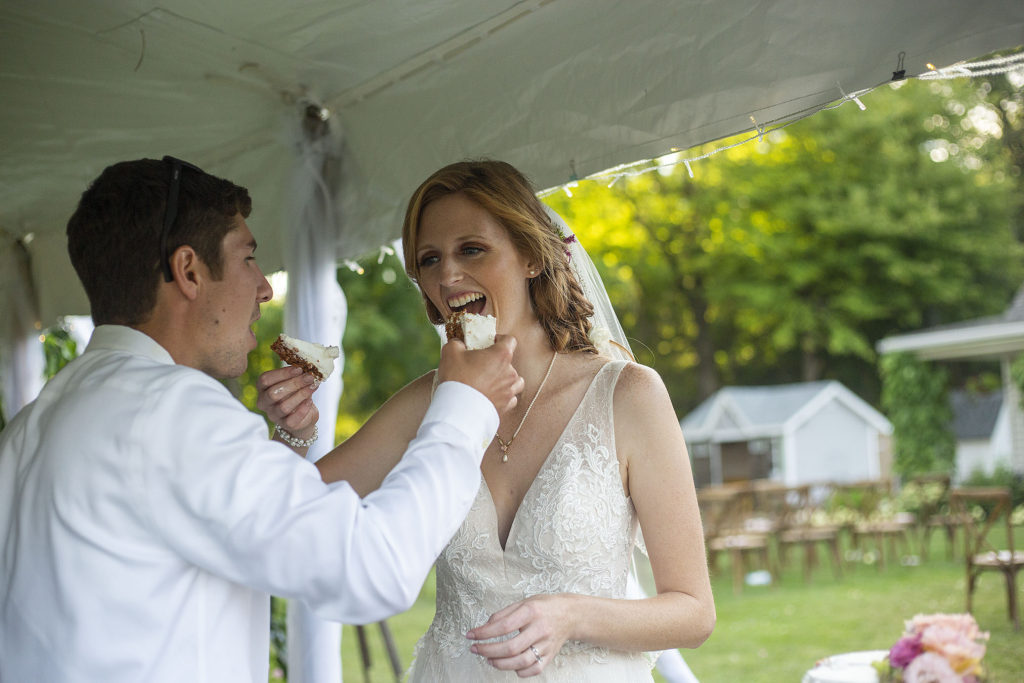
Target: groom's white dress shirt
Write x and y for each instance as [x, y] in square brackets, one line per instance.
[145, 518]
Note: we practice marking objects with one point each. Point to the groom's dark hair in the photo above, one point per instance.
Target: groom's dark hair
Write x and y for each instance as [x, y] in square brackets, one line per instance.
[114, 235]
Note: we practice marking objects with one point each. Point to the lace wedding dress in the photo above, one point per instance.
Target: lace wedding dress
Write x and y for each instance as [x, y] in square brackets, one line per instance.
[573, 533]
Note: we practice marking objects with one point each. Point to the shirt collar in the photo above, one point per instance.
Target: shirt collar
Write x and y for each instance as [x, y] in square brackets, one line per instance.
[121, 338]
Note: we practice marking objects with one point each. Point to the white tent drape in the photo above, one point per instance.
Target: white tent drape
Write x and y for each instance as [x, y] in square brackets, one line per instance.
[315, 310]
[22, 361]
[22, 367]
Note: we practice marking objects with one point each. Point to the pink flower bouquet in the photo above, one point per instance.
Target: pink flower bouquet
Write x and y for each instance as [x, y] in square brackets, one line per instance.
[936, 648]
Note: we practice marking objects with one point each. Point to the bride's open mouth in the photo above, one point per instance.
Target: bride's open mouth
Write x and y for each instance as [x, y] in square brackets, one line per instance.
[470, 302]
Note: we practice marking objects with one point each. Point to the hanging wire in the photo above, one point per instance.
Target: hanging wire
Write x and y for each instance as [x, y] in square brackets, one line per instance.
[997, 65]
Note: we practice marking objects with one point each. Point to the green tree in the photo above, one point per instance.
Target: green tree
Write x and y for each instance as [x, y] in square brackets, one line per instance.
[661, 241]
[388, 340]
[59, 348]
[880, 233]
[914, 396]
[788, 259]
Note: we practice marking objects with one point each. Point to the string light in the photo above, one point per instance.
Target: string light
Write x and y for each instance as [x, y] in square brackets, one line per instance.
[998, 65]
[987, 67]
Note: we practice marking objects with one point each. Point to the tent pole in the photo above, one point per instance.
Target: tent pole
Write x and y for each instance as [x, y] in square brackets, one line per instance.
[22, 361]
[316, 310]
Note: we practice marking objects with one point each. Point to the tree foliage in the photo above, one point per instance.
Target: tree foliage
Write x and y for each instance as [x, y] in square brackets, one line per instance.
[788, 259]
[914, 396]
[388, 340]
[59, 348]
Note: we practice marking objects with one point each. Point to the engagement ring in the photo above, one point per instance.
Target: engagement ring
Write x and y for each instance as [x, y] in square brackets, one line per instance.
[536, 654]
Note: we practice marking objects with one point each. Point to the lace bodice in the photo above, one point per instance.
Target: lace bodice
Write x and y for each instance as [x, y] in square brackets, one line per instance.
[573, 533]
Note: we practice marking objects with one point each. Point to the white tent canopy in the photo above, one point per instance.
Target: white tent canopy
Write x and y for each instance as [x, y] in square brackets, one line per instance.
[559, 88]
[556, 87]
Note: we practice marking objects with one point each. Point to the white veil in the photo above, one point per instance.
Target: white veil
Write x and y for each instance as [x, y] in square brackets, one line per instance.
[607, 334]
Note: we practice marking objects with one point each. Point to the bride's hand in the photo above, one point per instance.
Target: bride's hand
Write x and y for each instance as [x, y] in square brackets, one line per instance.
[543, 624]
[285, 395]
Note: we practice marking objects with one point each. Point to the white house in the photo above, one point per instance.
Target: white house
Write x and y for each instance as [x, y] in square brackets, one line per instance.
[981, 424]
[796, 434]
[994, 338]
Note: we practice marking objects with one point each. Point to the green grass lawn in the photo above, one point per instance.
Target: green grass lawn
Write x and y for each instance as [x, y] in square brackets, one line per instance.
[775, 633]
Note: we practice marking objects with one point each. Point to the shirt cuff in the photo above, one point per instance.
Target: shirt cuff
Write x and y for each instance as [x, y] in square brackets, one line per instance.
[465, 409]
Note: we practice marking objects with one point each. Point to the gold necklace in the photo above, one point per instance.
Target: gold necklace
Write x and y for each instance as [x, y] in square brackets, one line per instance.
[503, 445]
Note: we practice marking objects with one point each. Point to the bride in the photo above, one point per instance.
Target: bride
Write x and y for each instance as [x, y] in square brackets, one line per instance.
[534, 583]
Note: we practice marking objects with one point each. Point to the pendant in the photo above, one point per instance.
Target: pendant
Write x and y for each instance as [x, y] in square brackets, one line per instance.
[504, 448]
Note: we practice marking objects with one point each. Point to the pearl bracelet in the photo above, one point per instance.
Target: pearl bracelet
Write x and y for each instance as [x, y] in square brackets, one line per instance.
[294, 441]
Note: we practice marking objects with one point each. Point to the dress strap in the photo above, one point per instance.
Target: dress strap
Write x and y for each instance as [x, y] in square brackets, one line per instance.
[616, 367]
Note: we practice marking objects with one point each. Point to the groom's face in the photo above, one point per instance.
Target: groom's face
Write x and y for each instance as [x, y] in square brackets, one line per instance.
[229, 306]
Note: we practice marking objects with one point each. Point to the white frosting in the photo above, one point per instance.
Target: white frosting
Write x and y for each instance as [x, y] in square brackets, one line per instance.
[479, 330]
[321, 356]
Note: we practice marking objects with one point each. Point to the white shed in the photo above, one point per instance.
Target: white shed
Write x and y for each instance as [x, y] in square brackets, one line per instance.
[800, 433]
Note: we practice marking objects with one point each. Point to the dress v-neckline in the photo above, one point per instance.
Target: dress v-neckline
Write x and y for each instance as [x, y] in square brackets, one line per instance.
[547, 459]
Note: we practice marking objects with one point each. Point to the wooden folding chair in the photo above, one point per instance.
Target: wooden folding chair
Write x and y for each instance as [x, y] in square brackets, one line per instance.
[867, 498]
[934, 514]
[986, 510]
[723, 513]
[801, 530]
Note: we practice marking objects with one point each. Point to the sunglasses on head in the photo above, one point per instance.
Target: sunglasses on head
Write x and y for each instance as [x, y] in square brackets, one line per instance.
[171, 210]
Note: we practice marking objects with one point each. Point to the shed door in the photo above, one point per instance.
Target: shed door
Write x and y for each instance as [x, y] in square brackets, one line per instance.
[739, 464]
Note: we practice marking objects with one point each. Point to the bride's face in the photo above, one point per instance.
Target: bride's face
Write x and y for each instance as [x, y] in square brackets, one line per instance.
[467, 262]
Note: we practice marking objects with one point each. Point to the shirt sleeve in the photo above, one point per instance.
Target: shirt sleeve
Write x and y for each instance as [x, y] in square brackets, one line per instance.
[234, 503]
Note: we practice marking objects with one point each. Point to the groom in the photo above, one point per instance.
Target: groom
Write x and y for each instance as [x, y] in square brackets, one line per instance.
[145, 516]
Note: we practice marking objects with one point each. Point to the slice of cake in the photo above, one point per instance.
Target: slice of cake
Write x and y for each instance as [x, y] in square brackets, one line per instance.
[316, 359]
[477, 331]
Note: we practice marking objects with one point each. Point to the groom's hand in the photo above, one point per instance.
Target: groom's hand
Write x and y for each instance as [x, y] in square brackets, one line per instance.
[489, 370]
